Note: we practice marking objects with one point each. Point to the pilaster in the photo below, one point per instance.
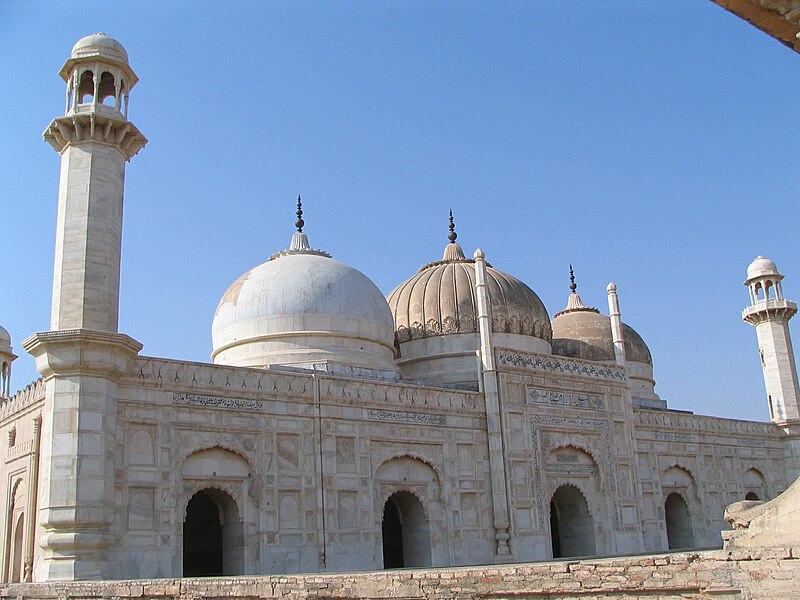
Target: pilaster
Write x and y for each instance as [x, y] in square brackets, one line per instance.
[502, 521]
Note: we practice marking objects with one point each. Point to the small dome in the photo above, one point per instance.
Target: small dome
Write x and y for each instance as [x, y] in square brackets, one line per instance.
[635, 348]
[5, 340]
[440, 300]
[99, 44]
[761, 266]
[303, 307]
[586, 334]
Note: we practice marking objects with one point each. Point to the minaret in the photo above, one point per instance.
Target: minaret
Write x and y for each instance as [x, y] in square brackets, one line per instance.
[94, 139]
[769, 312]
[82, 358]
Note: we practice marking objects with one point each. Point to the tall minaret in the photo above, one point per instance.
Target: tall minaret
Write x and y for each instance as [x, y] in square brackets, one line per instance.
[769, 312]
[95, 139]
[83, 357]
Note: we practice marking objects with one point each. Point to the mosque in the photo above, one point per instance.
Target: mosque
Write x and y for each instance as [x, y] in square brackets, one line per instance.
[454, 422]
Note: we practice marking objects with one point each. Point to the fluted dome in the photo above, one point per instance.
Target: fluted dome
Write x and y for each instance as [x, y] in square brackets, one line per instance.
[761, 266]
[436, 319]
[99, 44]
[440, 300]
[301, 308]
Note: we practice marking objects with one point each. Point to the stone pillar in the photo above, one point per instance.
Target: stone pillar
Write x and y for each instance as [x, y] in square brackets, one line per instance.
[76, 481]
[492, 401]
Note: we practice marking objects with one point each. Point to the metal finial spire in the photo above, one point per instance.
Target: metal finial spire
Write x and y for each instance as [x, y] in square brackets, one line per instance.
[572, 285]
[452, 235]
[299, 223]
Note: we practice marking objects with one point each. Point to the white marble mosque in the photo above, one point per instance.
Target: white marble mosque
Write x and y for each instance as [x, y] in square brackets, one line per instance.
[453, 423]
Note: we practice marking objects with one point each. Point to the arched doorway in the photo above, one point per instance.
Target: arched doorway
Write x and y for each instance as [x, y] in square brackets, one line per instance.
[679, 523]
[406, 533]
[212, 535]
[751, 496]
[571, 524]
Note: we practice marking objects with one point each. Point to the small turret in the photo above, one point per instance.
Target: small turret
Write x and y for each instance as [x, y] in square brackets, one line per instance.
[6, 358]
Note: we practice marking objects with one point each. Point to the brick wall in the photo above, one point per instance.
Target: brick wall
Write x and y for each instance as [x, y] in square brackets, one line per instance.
[772, 573]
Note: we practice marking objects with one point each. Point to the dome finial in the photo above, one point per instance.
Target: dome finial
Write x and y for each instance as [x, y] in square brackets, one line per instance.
[452, 235]
[572, 285]
[299, 223]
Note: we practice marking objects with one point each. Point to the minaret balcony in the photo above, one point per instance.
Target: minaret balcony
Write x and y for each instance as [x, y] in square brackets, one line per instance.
[107, 126]
[98, 109]
[769, 309]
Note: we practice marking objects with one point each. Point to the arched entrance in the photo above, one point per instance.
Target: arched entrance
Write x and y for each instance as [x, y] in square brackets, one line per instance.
[212, 535]
[751, 496]
[571, 524]
[406, 534]
[679, 523]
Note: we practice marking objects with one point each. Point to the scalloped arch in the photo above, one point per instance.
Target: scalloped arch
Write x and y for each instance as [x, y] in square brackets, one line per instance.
[579, 490]
[412, 456]
[680, 467]
[199, 447]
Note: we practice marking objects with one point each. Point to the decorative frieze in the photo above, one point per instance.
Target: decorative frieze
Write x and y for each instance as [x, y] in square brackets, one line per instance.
[570, 469]
[216, 402]
[668, 436]
[406, 417]
[539, 396]
[560, 365]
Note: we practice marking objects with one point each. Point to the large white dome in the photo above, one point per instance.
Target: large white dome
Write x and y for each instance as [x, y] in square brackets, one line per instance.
[303, 308]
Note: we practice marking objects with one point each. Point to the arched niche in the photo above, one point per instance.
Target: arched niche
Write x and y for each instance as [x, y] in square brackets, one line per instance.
[680, 497]
[409, 494]
[755, 485]
[215, 494]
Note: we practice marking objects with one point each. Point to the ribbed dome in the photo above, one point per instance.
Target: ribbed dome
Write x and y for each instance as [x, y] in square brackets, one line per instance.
[440, 300]
[99, 44]
[436, 319]
[303, 307]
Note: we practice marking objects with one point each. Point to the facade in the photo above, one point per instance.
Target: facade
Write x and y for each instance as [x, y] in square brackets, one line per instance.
[452, 423]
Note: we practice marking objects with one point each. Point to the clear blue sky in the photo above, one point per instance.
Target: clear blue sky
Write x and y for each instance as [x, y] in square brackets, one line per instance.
[649, 143]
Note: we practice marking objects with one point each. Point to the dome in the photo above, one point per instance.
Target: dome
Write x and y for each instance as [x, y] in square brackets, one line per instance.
[99, 44]
[440, 300]
[300, 308]
[761, 266]
[5, 340]
[582, 332]
[436, 319]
